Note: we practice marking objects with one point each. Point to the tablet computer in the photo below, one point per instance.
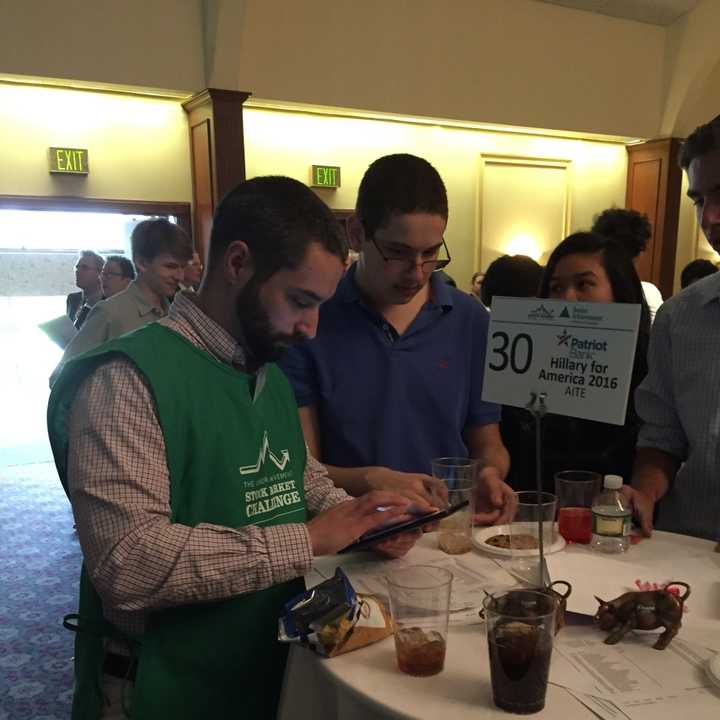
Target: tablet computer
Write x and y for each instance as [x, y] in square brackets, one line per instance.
[388, 531]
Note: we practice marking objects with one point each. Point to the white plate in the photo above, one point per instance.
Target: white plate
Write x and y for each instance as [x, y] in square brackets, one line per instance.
[713, 669]
[480, 535]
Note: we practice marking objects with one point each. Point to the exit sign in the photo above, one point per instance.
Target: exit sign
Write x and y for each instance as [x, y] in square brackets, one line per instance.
[325, 176]
[73, 161]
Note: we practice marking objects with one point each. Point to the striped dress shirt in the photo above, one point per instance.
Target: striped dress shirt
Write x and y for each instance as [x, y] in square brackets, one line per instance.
[679, 402]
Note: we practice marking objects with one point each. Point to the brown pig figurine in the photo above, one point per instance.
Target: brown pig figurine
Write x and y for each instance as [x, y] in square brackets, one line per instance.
[644, 610]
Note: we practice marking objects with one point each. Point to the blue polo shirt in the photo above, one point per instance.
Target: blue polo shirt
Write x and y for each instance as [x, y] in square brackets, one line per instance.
[395, 401]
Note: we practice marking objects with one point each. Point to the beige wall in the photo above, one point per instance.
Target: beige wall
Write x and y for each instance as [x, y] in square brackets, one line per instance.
[138, 147]
[692, 94]
[281, 142]
[703, 105]
[148, 43]
[517, 62]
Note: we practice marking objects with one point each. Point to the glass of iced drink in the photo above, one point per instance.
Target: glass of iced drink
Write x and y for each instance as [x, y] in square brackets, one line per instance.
[520, 628]
[419, 605]
[455, 479]
[575, 490]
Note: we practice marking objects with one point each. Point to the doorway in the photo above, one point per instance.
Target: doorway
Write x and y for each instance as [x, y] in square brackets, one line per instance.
[40, 239]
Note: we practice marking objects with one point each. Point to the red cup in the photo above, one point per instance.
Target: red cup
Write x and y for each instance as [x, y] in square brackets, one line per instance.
[575, 490]
[575, 524]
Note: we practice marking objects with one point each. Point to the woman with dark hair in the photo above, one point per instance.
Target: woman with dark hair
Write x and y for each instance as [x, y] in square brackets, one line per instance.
[632, 230]
[591, 268]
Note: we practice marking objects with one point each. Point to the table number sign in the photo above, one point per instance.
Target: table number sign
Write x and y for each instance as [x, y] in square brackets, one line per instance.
[579, 354]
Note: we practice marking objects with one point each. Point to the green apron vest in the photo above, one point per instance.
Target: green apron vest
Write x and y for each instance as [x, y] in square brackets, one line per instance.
[236, 456]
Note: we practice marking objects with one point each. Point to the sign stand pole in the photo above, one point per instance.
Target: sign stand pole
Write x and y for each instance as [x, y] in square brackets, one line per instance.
[538, 409]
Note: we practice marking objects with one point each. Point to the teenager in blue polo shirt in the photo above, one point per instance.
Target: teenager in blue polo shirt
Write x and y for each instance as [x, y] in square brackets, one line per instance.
[394, 376]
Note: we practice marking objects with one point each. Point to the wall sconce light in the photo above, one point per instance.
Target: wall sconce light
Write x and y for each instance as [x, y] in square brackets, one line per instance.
[524, 244]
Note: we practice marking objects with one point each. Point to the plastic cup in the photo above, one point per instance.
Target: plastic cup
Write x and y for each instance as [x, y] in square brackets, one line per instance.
[525, 522]
[575, 490]
[419, 606]
[458, 477]
[520, 627]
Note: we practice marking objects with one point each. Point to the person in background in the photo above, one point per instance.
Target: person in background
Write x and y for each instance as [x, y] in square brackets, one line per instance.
[117, 273]
[476, 284]
[696, 270]
[512, 276]
[192, 274]
[197, 507]
[394, 377]
[87, 278]
[160, 251]
[677, 467]
[584, 267]
[633, 231]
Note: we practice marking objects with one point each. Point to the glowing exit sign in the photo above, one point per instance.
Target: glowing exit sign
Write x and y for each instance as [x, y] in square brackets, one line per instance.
[73, 161]
[325, 176]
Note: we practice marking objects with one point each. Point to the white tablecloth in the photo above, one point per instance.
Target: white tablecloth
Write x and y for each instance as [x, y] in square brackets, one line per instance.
[367, 685]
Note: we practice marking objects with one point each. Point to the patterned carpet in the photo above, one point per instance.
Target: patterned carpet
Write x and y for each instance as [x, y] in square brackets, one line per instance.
[39, 569]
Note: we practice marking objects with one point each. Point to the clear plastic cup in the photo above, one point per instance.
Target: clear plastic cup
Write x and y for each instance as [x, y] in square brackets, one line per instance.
[458, 477]
[420, 605]
[520, 626]
[575, 490]
[524, 527]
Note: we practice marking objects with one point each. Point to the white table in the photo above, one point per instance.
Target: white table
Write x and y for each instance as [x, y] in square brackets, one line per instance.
[367, 684]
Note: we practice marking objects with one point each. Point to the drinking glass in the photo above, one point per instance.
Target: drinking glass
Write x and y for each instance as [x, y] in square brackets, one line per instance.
[458, 477]
[520, 626]
[575, 490]
[419, 606]
[525, 522]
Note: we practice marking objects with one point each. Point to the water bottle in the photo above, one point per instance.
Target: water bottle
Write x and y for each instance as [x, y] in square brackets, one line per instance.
[611, 518]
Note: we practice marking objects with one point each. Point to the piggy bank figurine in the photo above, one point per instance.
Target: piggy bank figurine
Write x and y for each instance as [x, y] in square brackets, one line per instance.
[644, 610]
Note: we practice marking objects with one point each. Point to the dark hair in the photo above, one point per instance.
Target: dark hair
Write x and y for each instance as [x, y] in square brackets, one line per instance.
[702, 140]
[277, 218]
[151, 238]
[125, 264]
[624, 282]
[512, 276]
[92, 255]
[630, 228]
[696, 270]
[397, 185]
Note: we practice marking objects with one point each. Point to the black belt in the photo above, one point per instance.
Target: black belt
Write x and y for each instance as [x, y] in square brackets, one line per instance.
[119, 666]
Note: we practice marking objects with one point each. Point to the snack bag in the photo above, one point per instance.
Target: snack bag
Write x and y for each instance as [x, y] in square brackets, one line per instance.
[332, 619]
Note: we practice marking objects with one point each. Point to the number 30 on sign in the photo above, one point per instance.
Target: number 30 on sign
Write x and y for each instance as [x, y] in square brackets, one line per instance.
[517, 352]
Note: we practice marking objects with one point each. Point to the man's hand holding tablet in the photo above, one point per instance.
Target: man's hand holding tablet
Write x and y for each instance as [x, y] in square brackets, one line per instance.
[343, 524]
[376, 538]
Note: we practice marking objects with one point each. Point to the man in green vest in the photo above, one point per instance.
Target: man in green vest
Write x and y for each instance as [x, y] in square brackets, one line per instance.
[197, 508]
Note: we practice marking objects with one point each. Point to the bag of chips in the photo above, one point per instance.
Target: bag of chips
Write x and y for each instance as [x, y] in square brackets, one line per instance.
[332, 619]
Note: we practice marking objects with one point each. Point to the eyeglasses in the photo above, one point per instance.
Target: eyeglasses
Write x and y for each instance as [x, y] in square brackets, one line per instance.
[108, 273]
[409, 260]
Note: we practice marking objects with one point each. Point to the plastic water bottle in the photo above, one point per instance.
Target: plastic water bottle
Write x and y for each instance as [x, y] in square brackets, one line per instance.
[611, 518]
